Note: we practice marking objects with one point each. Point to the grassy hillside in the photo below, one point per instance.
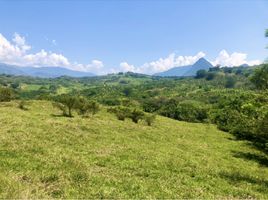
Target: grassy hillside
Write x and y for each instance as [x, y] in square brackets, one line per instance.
[44, 155]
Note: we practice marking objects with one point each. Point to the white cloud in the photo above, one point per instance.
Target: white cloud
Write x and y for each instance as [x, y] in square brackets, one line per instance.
[95, 66]
[234, 59]
[162, 64]
[172, 60]
[125, 67]
[44, 58]
[16, 52]
[20, 42]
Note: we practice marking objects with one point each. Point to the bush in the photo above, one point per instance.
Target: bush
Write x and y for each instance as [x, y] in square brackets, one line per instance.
[121, 112]
[6, 94]
[136, 115]
[22, 105]
[86, 107]
[191, 111]
[243, 115]
[149, 119]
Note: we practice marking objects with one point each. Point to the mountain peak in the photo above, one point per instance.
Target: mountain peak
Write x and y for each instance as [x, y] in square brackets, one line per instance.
[202, 61]
[189, 70]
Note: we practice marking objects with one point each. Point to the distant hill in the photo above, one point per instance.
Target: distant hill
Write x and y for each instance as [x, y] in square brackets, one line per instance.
[44, 72]
[189, 70]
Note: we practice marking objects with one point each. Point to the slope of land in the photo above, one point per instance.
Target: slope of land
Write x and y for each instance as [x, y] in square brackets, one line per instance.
[44, 155]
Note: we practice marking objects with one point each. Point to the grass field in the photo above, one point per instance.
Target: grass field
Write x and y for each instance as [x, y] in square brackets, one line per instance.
[44, 155]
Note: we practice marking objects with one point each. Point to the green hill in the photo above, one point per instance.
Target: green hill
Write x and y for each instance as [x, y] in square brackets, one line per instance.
[44, 155]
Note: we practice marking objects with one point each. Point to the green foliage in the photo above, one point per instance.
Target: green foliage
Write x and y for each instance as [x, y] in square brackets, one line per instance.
[191, 111]
[66, 104]
[127, 91]
[243, 115]
[121, 112]
[86, 107]
[201, 73]
[149, 119]
[136, 115]
[210, 76]
[6, 94]
[15, 85]
[260, 77]
[22, 105]
[230, 82]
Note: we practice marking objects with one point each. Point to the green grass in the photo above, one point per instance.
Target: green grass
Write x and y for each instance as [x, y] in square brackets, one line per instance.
[43, 155]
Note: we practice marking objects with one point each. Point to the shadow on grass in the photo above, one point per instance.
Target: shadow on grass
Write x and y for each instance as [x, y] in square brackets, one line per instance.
[261, 159]
[60, 115]
[236, 178]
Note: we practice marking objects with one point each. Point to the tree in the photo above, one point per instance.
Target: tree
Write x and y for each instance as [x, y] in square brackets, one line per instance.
[260, 77]
[201, 73]
[66, 103]
[266, 33]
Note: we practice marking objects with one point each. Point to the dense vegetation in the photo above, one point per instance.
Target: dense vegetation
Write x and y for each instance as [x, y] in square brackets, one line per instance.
[234, 99]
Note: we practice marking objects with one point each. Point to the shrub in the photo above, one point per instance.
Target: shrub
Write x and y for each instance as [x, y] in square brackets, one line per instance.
[136, 115]
[86, 107]
[6, 94]
[191, 111]
[22, 105]
[149, 119]
[121, 112]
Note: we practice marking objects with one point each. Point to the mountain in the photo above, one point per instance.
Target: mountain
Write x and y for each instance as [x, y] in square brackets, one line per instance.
[43, 72]
[189, 70]
[10, 69]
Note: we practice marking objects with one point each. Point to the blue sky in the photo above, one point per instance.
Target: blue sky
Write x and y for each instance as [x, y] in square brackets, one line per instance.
[144, 36]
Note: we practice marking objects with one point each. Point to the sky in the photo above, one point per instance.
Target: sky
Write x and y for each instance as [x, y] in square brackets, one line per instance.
[143, 36]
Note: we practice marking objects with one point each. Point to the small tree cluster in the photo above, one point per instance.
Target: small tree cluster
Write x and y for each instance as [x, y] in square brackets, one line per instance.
[134, 114]
[67, 104]
[86, 107]
[121, 112]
